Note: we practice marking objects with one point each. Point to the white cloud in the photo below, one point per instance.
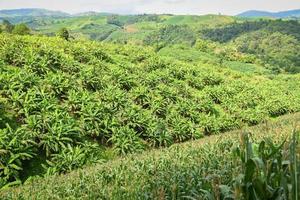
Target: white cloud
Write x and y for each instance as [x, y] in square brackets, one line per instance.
[154, 6]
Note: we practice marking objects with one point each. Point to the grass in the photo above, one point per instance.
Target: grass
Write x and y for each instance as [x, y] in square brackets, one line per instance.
[199, 21]
[170, 173]
[246, 67]
[187, 54]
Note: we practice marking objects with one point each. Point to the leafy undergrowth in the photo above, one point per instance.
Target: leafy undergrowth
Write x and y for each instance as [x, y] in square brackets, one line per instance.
[63, 102]
[202, 169]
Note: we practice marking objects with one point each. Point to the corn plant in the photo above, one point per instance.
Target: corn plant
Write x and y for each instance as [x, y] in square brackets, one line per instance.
[125, 140]
[269, 170]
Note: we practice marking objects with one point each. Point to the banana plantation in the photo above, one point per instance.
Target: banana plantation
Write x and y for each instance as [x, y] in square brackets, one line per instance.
[64, 104]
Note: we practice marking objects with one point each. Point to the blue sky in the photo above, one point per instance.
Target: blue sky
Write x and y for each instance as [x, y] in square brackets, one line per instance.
[229, 7]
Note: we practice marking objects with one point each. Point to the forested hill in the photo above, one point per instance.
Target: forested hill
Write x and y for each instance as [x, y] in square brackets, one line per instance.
[283, 14]
[28, 14]
[276, 42]
[33, 12]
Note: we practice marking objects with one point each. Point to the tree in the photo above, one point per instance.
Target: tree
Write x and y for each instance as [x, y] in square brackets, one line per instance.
[64, 34]
[21, 29]
[7, 26]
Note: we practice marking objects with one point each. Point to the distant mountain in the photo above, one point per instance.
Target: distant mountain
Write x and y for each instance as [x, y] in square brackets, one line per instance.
[283, 14]
[31, 12]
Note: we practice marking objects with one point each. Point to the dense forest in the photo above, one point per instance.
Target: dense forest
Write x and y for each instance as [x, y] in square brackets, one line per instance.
[276, 42]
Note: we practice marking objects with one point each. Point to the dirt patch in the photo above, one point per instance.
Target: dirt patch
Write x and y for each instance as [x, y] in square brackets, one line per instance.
[130, 29]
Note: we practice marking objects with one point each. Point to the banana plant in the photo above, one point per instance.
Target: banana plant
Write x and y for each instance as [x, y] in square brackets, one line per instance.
[92, 115]
[59, 83]
[59, 130]
[16, 146]
[71, 157]
[158, 134]
[125, 140]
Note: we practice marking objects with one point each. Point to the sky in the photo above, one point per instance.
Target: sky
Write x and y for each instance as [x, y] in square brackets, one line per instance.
[198, 7]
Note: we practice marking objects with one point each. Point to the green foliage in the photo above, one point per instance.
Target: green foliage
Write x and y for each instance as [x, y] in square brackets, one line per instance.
[7, 26]
[62, 103]
[64, 34]
[262, 44]
[113, 19]
[16, 146]
[126, 140]
[63, 94]
[21, 29]
[275, 42]
[203, 169]
[71, 158]
[268, 45]
[230, 32]
[2, 113]
[172, 34]
[268, 170]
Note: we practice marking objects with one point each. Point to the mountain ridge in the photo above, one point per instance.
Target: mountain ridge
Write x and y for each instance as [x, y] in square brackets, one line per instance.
[32, 12]
[261, 13]
[42, 12]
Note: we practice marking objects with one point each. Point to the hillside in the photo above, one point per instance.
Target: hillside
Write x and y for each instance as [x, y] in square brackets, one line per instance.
[274, 42]
[253, 39]
[28, 15]
[150, 106]
[195, 170]
[31, 12]
[165, 31]
[260, 14]
[168, 33]
[66, 103]
[89, 24]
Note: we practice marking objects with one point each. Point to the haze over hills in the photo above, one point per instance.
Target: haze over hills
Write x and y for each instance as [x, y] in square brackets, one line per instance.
[282, 14]
[33, 12]
[38, 12]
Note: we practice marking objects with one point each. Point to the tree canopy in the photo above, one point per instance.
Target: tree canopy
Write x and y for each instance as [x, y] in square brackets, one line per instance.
[64, 33]
[21, 29]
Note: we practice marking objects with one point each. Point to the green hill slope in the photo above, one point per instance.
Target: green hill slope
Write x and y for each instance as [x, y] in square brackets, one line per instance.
[63, 103]
[198, 170]
[273, 44]
[27, 15]
[87, 25]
